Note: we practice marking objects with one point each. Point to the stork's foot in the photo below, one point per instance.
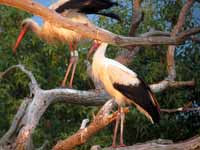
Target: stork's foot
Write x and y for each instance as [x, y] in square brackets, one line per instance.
[122, 145]
[114, 146]
[118, 146]
[63, 85]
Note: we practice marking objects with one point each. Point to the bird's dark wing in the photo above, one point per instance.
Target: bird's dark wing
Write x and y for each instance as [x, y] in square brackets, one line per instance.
[88, 7]
[136, 90]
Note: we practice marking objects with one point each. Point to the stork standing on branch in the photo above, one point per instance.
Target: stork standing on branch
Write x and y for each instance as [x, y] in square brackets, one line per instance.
[76, 10]
[125, 87]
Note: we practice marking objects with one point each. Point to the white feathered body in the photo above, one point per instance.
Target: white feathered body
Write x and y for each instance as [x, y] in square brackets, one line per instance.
[51, 33]
[124, 85]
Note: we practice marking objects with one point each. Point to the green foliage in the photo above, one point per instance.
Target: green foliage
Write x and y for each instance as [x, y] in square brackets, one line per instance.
[48, 63]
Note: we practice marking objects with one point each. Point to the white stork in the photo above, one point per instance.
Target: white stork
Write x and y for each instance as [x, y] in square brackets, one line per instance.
[76, 10]
[125, 87]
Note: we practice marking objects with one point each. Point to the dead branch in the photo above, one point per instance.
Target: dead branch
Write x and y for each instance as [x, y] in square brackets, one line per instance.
[89, 30]
[195, 39]
[175, 31]
[169, 81]
[186, 108]
[180, 109]
[163, 85]
[125, 56]
[102, 119]
[137, 17]
[191, 144]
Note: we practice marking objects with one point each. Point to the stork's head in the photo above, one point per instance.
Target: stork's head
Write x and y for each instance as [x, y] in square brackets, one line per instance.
[25, 26]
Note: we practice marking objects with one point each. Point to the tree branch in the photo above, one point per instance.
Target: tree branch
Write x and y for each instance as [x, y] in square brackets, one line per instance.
[102, 119]
[175, 31]
[163, 85]
[191, 144]
[180, 109]
[137, 17]
[34, 85]
[88, 30]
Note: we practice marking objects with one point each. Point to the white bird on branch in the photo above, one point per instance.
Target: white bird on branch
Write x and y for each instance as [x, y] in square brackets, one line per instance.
[125, 87]
[76, 10]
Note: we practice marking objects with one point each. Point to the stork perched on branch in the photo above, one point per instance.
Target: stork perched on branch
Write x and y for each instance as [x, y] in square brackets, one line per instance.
[75, 10]
[125, 87]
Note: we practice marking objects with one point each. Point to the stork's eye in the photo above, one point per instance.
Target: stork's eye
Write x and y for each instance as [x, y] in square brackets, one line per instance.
[23, 24]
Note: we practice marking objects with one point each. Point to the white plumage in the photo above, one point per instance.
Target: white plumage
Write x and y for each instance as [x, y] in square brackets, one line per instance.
[124, 86]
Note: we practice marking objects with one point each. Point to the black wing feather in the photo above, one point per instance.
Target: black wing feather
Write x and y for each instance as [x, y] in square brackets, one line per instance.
[89, 7]
[142, 96]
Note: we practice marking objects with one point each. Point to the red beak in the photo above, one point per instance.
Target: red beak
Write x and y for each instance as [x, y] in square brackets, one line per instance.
[20, 37]
[94, 47]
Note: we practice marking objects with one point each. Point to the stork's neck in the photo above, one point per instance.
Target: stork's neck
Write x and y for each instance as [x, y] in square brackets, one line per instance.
[34, 26]
[100, 52]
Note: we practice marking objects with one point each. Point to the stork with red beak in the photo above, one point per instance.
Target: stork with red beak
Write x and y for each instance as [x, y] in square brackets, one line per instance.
[76, 10]
[126, 87]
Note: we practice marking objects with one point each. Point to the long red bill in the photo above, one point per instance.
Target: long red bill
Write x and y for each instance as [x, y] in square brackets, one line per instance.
[20, 37]
[94, 47]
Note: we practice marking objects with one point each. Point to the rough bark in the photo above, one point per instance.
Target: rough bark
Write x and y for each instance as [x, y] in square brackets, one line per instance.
[191, 144]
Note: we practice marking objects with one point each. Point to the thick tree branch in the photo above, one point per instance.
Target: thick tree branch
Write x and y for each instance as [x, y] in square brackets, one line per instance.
[191, 144]
[102, 119]
[88, 30]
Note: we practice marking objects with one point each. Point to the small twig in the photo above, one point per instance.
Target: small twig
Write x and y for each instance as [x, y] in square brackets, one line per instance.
[44, 145]
[185, 108]
[163, 85]
[180, 109]
[84, 123]
[195, 39]
[23, 69]
[155, 33]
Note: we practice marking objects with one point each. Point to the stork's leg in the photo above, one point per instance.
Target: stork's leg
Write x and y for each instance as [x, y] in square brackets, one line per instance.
[72, 62]
[66, 74]
[73, 70]
[122, 115]
[116, 128]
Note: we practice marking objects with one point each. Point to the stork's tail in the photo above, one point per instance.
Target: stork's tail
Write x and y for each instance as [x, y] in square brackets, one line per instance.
[143, 98]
